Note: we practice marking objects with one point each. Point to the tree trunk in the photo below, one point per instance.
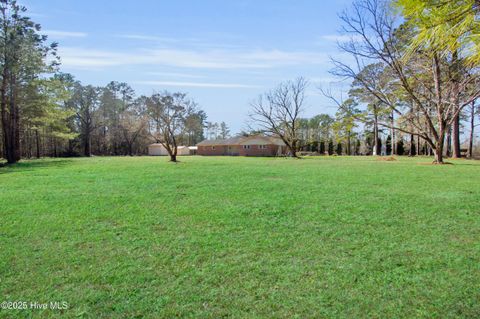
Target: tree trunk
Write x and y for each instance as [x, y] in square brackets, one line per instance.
[472, 131]
[9, 123]
[394, 144]
[438, 155]
[456, 138]
[439, 145]
[70, 148]
[293, 150]
[418, 146]
[439, 137]
[376, 149]
[412, 151]
[37, 140]
[349, 151]
[130, 149]
[15, 119]
[55, 154]
[456, 152]
[5, 123]
[448, 151]
[87, 145]
[172, 151]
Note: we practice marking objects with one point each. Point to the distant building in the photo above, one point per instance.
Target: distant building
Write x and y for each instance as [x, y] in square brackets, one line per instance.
[157, 149]
[193, 150]
[256, 145]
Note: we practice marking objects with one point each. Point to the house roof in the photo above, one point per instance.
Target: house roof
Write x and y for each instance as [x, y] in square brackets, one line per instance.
[239, 140]
[228, 141]
[267, 140]
[211, 142]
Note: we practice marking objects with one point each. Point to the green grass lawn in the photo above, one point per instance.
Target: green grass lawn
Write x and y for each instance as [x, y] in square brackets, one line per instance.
[231, 237]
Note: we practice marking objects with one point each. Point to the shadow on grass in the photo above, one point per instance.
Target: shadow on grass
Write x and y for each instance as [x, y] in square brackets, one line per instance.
[30, 165]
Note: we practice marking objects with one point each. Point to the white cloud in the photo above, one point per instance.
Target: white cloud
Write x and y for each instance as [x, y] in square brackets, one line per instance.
[278, 57]
[165, 40]
[82, 58]
[78, 58]
[199, 59]
[64, 34]
[198, 84]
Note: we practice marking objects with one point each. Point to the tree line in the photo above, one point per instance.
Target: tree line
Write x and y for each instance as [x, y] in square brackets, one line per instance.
[414, 87]
[279, 112]
[414, 75]
[48, 113]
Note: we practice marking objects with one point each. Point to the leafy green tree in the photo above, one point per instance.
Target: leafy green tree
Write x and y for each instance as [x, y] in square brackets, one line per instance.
[345, 123]
[224, 130]
[358, 145]
[449, 28]
[388, 145]
[194, 127]
[372, 89]
[23, 59]
[85, 102]
[400, 147]
[339, 149]
[330, 147]
[321, 148]
[43, 111]
[446, 25]
[116, 98]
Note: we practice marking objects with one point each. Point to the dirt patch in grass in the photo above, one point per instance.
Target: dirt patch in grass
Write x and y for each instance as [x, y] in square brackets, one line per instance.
[387, 159]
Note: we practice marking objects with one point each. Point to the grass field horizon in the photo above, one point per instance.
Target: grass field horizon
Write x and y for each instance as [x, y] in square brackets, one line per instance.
[210, 237]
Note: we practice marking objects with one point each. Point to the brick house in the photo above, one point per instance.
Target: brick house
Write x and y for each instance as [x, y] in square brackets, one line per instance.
[257, 145]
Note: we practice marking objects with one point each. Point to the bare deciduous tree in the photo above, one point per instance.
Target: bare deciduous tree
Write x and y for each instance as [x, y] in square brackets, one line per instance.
[278, 112]
[132, 124]
[168, 112]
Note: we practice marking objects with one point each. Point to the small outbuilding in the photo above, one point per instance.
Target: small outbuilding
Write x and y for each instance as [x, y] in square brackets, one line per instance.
[183, 151]
[193, 150]
[157, 149]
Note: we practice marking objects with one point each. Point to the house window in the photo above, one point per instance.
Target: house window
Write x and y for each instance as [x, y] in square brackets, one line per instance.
[262, 147]
[247, 147]
[213, 148]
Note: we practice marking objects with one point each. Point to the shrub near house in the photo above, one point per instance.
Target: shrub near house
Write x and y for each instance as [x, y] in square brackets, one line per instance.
[257, 145]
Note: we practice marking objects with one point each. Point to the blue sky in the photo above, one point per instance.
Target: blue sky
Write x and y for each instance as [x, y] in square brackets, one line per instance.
[223, 53]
